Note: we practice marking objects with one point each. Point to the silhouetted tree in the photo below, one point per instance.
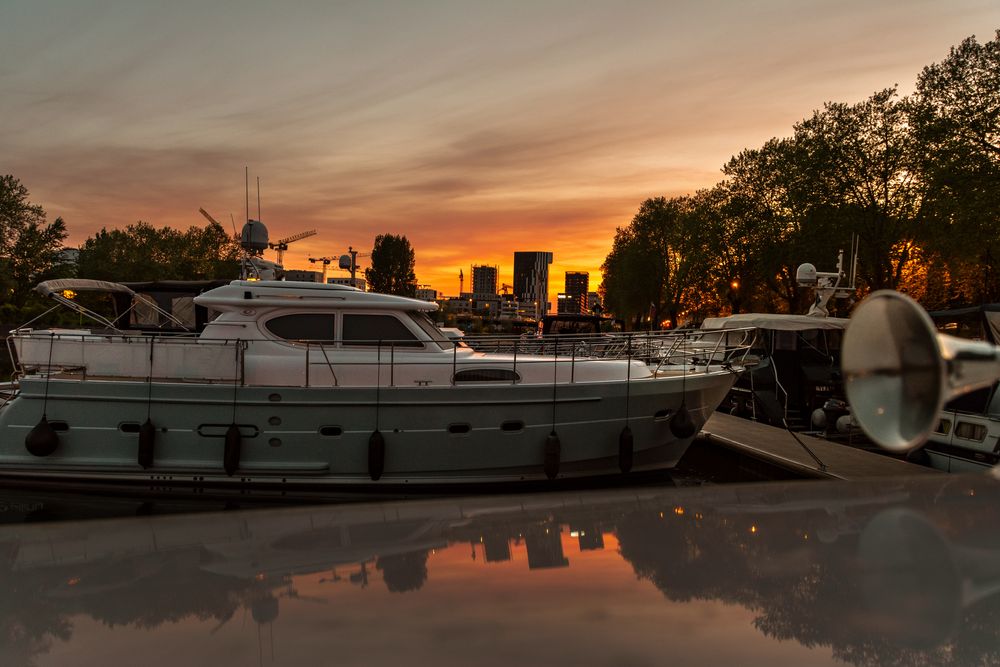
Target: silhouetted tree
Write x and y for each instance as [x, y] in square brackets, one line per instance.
[956, 122]
[392, 271]
[917, 179]
[657, 264]
[29, 247]
[860, 170]
[403, 572]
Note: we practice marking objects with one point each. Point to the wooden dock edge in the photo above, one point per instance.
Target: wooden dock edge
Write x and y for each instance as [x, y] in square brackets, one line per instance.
[778, 447]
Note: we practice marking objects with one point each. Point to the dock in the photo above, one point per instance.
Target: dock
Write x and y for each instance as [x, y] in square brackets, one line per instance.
[779, 447]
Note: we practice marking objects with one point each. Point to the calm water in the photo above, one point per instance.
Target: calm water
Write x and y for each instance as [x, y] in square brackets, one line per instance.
[890, 572]
[704, 464]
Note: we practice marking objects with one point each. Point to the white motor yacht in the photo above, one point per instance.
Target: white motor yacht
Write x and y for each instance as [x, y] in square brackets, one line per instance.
[310, 384]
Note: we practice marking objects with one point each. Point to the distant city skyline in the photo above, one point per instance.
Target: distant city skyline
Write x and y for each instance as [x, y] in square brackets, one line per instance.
[473, 129]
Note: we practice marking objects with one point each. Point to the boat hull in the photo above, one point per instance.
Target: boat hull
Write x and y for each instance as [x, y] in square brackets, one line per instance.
[317, 437]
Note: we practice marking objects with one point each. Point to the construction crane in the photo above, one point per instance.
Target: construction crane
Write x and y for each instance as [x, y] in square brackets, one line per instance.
[210, 218]
[505, 288]
[282, 245]
[326, 264]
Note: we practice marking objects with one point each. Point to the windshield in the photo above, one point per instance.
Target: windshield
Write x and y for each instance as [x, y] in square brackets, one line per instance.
[431, 329]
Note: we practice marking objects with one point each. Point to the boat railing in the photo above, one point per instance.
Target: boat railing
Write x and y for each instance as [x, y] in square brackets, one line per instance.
[651, 345]
[108, 355]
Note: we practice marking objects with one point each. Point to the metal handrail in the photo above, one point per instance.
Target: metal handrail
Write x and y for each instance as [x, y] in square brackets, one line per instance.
[659, 350]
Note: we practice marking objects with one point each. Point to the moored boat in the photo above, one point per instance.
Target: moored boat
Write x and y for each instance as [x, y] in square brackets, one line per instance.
[966, 436]
[794, 379]
[310, 384]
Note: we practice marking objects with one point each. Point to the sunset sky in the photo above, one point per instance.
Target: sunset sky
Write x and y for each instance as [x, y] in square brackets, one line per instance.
[474, 128]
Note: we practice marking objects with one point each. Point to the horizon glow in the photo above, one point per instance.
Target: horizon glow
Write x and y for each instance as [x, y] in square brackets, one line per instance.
[476, 130]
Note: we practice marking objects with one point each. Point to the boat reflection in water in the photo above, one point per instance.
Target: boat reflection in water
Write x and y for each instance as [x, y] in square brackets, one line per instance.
[887, 572]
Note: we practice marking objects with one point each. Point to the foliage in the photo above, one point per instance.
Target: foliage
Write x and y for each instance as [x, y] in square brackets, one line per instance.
[141, 252]
[859, 162]
[917, 179]
[29, 247]
[655, 265]
[392, 269]
[956, 120]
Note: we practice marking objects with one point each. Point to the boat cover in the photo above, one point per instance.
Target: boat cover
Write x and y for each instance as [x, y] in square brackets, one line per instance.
[50, 287]
[774, 322]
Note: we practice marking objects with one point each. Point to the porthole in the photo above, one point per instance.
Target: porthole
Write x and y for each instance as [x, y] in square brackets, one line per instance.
[274, 421]
[274, 442]
[487, 375]
[459, 429]
[274, 398]
[59, 426]
[661, 415]
[129, 427]
[512, 426]
[331, 431]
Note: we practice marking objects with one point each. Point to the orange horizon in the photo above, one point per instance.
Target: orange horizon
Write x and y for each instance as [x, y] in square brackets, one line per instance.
[474, 132]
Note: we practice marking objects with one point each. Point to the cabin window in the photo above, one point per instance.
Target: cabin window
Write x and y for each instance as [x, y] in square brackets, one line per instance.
[943, 427]
[370, 329]
[487, 375]
[302, 326]
[970, 431]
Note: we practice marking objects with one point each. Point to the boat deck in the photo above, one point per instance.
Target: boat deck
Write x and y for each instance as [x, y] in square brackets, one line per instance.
[778, 447]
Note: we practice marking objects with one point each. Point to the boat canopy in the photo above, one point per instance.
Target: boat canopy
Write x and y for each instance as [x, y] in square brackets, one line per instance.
[54, 289]
[50, 287]
[775, 322]
[980, 322]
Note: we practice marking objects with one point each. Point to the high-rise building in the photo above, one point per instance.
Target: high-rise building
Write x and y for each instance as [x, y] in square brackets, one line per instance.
[567, 304]
[594, 304]
[531, 279]
[577, 284]
[484, 280]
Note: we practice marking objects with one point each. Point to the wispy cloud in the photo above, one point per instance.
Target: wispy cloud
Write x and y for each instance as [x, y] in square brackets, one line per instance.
[474, 129]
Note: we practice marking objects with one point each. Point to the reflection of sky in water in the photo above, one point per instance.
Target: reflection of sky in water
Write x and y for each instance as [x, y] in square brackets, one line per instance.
[881, 572]
[594, 611]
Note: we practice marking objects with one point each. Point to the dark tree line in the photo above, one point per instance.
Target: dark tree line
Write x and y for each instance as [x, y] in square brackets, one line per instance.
[917, 178]
[31, 250]
[142, 252]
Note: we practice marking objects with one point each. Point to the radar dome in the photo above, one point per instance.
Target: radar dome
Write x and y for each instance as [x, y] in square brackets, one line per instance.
[805, 274]
[253, 238]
